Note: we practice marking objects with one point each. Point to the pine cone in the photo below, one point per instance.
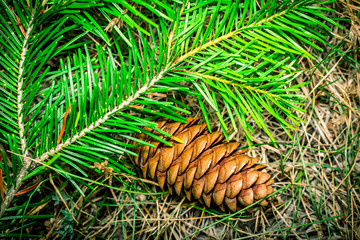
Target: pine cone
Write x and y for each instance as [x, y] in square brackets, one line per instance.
[204, 166]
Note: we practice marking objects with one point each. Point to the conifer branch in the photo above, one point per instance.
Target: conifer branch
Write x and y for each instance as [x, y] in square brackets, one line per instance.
[20, 83]
[26, 162]
[217, 79]
[97, 123]
[227, 36]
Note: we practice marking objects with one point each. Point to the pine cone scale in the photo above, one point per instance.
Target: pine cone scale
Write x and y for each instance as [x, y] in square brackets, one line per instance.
[227, 168]
[172, 174]
[219, 193]
[166, 157]
[231, 203]
[189, 177]
[210, 179]
[234, 188]
[204, 167]
[198, 187]
[249, 179]
[204, 163]
[153, 163]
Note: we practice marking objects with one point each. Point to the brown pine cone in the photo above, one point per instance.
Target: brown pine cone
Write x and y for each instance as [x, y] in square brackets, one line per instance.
[204, 166]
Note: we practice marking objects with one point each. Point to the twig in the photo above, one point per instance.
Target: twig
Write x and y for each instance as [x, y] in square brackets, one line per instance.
[26, 163]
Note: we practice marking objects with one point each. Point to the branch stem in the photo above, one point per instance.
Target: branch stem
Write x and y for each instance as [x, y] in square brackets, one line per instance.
[26, 162]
